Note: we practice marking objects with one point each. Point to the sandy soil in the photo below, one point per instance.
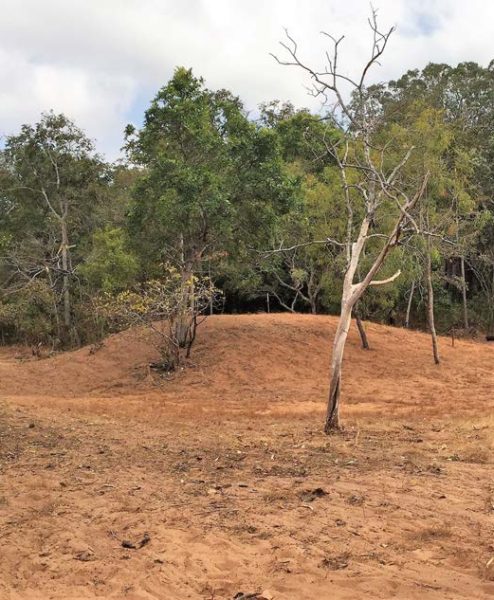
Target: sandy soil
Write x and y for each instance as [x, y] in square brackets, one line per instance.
[115, 484]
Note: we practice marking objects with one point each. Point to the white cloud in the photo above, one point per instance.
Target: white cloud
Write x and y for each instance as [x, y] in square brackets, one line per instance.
[97, 60]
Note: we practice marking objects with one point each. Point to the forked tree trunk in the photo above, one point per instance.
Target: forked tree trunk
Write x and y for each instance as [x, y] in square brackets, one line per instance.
[430, 307]
[409, 306]
[349, 298]
[464, 293]
[332, 417]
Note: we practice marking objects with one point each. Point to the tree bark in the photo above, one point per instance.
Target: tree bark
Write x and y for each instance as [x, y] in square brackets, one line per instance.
[464, 293]
[182, 328]
[349, 298]
[55, 307]
[313, 291]
[352, 294]
[430, 307]
[409, 306]
[65, 279]
[361, 329]
[332, 417]
[186, 310]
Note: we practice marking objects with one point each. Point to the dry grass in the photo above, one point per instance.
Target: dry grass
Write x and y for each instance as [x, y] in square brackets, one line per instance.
[221, 466]
[432, 533]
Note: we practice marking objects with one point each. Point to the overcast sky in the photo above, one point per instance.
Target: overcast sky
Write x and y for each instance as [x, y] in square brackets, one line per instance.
[101, 61]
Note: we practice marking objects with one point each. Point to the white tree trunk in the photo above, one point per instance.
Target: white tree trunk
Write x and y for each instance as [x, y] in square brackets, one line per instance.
[333, 416]
[351, 295]
[430, 308]
[65, 279]
[409, 306]
[349, 298]
[464, 294]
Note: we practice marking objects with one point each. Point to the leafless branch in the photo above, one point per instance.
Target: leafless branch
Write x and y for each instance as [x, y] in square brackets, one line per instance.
[387, 280]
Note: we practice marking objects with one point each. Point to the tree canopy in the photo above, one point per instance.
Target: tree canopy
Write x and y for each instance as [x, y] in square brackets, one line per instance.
[215, 191]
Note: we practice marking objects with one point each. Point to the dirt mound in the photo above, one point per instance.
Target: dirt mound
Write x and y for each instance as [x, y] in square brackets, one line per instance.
[115, 362]
[273, 362]
[218, 482]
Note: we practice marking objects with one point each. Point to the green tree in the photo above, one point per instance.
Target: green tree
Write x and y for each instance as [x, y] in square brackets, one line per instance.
[110, 266]
[211, 183]
[52, 181]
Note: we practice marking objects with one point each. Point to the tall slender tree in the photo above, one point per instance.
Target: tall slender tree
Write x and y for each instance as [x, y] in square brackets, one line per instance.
[378, 198]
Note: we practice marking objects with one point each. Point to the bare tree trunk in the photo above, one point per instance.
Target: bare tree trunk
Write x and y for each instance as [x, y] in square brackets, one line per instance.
[333, 417]
[55, 307]
[313, 290]
[362, 332]
[464, 293]
[430, 307]
[65, 279]
[351, 295]
[183, 322]
[409, 306]
[211, 302]
[349, 298]
[192, 336]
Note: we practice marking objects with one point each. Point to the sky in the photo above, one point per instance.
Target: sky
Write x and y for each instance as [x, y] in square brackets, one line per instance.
[102, 61]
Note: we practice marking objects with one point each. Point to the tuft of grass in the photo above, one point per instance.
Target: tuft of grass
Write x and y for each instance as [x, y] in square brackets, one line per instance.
[432, 533]
[476, 454]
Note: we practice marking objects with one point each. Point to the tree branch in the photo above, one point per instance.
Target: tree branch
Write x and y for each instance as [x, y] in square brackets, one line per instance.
[388, 280]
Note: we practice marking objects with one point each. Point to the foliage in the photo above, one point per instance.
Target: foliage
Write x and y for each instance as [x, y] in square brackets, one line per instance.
[213, 193]
[29, 315]
[109, 266]
[51, 183]
[171, 307]
[212, 182]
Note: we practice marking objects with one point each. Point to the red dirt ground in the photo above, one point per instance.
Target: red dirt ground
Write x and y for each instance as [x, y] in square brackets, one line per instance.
[223, 482]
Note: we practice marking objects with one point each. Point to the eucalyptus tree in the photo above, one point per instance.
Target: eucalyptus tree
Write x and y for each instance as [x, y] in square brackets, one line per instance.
[377, 193]
[297, 275]
[464, 94]
[52, 181]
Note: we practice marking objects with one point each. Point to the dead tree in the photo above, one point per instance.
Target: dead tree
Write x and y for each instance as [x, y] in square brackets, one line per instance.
[378, 197]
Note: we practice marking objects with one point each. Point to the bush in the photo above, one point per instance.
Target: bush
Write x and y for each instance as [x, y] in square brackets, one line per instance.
[29, 315]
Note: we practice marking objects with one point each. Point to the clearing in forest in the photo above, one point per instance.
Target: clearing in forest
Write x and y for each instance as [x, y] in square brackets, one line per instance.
[219, 481]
